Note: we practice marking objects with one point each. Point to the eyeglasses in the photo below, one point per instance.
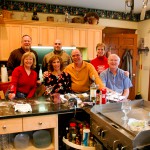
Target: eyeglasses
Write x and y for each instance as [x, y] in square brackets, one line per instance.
[57, 43]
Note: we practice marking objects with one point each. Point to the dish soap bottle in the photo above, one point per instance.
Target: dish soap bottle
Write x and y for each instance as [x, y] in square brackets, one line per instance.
[93, 89]
[35, 16]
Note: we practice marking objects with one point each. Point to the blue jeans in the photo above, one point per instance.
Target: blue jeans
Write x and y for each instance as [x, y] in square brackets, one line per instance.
[18, 95]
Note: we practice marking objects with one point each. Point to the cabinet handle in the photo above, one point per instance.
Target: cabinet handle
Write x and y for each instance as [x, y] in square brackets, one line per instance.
[40, 123]
[4, 127]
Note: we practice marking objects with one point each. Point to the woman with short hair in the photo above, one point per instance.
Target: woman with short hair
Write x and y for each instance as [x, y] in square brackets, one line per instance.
[24, 78]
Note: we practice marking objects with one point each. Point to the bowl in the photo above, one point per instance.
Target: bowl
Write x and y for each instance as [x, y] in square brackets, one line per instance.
[41, 138]
[21, 141]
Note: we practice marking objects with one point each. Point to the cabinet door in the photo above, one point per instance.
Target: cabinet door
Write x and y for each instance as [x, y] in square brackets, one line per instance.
[47, 35]
[10, 39]
[65, 35]
[94, 37]
[80, 37]
[32, 31]
[9, 125]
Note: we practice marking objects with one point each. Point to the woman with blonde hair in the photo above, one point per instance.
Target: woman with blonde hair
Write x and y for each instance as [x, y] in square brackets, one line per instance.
[24, 78]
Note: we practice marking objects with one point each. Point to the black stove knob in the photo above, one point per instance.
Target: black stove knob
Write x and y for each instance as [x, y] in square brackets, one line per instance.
[103, 133]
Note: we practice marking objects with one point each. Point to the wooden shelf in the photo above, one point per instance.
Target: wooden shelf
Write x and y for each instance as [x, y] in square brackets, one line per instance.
[77, 146]
[52, 24]
[32, 147]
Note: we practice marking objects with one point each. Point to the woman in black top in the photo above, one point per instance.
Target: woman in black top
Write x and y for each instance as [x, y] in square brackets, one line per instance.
[57, 81]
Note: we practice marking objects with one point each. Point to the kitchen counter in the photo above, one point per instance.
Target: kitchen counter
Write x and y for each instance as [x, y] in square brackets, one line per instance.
[40, 106]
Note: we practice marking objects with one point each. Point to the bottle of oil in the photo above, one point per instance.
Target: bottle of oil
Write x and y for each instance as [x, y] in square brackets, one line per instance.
[93, 89]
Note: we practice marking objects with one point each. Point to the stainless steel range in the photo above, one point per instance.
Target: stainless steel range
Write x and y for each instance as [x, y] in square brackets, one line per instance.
[115, 134]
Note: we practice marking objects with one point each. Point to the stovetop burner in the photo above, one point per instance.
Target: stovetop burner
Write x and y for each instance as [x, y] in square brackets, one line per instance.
[110, 129]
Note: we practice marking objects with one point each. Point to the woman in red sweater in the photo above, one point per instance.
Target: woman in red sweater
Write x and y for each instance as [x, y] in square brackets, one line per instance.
[100, 62]
[24, 78]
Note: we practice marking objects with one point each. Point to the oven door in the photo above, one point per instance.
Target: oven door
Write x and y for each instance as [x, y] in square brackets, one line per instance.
[98, 144]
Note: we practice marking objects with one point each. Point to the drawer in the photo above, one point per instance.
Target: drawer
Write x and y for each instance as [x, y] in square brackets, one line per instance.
[10, 125]
[40, 122]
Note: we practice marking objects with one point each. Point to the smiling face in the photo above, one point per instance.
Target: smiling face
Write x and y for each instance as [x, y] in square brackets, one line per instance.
[76, 56]
[100, 51]
[113, 61]
[26, 43]
[57, 45]
[28, 61]
[56, 64]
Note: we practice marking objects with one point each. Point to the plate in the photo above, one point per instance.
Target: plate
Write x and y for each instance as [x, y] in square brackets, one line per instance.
[136, 125]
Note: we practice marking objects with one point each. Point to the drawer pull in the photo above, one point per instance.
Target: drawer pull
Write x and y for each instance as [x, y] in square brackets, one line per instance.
[4, 127]
[40, 123]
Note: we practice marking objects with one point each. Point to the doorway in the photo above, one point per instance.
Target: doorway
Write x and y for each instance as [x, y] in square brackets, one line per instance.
[118, 41]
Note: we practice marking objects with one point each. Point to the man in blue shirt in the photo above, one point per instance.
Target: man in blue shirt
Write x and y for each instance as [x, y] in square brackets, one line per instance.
[114, 78]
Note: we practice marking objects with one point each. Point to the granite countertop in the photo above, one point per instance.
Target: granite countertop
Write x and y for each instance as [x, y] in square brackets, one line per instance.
[40, 106]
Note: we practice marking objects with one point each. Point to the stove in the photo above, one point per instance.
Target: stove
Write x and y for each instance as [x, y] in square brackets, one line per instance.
[114, 133]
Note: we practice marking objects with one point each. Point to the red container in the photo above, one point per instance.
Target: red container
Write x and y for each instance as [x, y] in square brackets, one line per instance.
[104, 95]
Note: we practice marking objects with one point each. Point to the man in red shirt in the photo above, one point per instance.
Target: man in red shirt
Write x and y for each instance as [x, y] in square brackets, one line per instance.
[100, 62]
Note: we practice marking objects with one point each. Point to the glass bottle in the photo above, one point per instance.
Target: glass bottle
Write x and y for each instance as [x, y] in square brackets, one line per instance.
[93, 89]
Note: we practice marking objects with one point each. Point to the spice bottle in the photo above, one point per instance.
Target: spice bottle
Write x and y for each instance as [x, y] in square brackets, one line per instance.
[93, 90]
[103, 95]
[67, 133]
[72, 132]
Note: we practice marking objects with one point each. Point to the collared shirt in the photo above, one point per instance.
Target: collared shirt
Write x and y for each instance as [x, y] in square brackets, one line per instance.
[81, 79]
[65, 58]
[15, 60]
[118, 82]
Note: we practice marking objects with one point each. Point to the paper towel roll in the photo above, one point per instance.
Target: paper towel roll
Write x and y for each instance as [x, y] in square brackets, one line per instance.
[4, 74]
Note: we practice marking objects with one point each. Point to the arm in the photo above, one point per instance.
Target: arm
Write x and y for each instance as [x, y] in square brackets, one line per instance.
[32, 91]
[126, 93]
[68, 83]
[10, 65]
[98, 80]
[44, 65]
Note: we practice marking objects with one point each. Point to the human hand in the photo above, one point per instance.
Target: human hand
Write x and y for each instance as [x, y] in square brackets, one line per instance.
[45, 74]
[101, 68]
[11, 96]
[126, 73]
[38, 82]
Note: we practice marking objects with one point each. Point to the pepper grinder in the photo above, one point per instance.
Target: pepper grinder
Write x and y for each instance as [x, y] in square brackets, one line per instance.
[35, 16]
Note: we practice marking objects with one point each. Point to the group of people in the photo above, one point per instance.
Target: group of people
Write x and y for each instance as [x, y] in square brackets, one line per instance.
[63, 73]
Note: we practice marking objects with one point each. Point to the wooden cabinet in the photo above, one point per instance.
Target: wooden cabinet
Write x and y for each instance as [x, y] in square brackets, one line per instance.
[45, 33]
[39, 122]
[94, 37]
[47, 36]
[80, 37]
[24, 124]
[9, 126]
[10, 39]
[65, 35]
[32, 31]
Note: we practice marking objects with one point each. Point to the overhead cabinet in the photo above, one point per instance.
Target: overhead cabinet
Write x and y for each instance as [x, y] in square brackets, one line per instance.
[45, 33]
[10, 38]
[80, 37]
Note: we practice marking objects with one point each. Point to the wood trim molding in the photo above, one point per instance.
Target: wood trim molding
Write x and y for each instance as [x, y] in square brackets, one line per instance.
[51, 24]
